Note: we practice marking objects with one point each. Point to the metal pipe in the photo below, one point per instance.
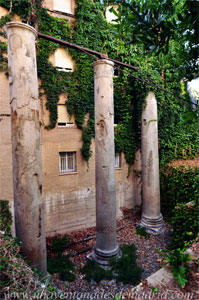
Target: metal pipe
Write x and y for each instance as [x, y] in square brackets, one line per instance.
[80, 48]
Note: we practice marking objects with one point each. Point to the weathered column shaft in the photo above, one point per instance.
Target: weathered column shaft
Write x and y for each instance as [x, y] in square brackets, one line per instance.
[151, 215]
[26, 148]
[106, 239]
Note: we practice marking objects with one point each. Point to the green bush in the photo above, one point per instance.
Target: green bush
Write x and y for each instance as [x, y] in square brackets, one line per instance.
[178, 260]
[185, 225]
[179, 186]
[63, 265]
[57, 261]
[5, 217]
[92, 270]
[59, 243]
[142, 231]
[123, 269]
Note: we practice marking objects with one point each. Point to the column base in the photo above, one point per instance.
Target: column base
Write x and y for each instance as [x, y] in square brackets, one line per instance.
[102, 257]
[153, 226]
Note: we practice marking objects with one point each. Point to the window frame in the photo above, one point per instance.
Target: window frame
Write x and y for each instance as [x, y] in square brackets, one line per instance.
[68, 12]
[66, 169]
[118, 157]
[66, 121]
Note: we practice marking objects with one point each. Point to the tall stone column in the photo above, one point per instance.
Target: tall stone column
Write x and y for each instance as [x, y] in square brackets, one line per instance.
[151, 215]
[106, 239]
[26, 148]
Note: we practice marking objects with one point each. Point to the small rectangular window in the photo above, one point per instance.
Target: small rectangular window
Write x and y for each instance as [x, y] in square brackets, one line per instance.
[64, 6]
[117, 160]
[63, 119]
[67, 162]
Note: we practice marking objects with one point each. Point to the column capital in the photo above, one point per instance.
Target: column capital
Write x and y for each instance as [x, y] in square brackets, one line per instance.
[20, 25]
[103, 61]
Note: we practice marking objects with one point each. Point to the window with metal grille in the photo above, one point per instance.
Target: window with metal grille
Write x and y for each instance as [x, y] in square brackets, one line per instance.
[67, 162]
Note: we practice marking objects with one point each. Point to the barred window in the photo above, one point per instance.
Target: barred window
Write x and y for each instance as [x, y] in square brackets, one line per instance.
[67, 162]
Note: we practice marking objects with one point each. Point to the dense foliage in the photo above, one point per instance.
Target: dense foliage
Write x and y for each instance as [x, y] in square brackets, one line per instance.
[91, 30]
[179, 263]
[18, 280]
[156, 25]
[179, 196]
[57, 261]
[120, 268]
[5, 217]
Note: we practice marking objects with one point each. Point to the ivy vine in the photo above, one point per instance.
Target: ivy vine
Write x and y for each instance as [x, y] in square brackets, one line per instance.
[91, 30]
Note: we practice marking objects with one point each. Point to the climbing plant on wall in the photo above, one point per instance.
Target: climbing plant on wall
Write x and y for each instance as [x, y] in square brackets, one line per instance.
[91, 30]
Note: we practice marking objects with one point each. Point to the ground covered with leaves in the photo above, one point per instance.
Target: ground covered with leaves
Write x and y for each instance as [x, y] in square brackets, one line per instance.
[18, 281]
[82, 242]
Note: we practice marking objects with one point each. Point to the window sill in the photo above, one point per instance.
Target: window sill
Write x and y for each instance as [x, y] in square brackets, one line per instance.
[67, 126]
[59, 12]
[119, 168]
[68, 173]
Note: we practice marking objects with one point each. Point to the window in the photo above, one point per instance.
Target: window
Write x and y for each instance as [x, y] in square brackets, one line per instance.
[62, 60]
[67, 162]
[64, 6]
[63, 119]
[117, 160]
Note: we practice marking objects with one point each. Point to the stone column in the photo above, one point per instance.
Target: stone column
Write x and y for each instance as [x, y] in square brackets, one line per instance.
[151, 215]
[26, 148]
[106, 239]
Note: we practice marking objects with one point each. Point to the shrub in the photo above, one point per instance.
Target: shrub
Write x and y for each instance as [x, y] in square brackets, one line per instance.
[178, 260]
[63, 265]
[125, 267]
[58, 262]
[94, 271]
[142, 231]
[122, 268]
[179, 186]
[185, 225]
[59, 243]
[5, 217]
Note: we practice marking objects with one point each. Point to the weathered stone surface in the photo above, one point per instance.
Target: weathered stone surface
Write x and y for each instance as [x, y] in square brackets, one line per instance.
[26, 148]
[151, 215]
[106, 240]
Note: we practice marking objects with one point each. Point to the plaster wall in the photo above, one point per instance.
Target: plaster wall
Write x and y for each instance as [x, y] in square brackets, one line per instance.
[69, 199]
[6, 190]
[3, 11]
